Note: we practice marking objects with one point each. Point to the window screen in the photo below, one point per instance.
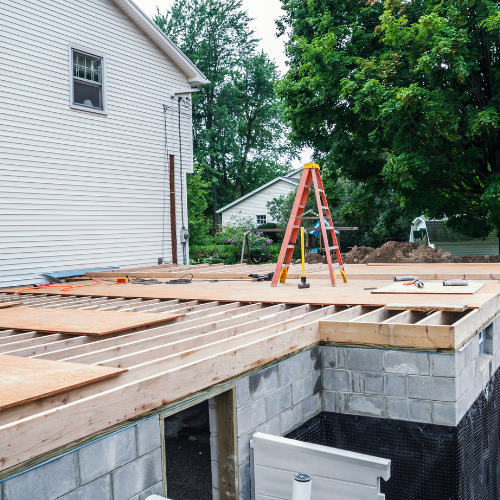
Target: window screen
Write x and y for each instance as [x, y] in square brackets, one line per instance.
[87, 80]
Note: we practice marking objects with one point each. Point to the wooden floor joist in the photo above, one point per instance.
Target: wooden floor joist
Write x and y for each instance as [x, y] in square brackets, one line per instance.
[228, 329]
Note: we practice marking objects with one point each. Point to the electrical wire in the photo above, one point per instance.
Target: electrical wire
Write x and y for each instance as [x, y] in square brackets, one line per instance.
[181, 280]
[63, 288]
[144, 281]
[165, 160]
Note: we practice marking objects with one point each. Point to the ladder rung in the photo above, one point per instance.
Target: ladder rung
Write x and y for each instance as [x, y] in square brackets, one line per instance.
[324, 208]
[285, 265]
[321, 190]
[302, 206]
[335, 268]
[333, 248]
[296, 227]
[291, 246]
[307, 187]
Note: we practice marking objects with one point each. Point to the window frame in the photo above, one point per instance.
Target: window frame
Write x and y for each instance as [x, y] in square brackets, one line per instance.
[91, 53]
[257, 219]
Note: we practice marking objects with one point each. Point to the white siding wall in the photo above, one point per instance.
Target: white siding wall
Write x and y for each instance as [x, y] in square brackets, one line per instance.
[256, 204]
[79, 190]
[470, 248]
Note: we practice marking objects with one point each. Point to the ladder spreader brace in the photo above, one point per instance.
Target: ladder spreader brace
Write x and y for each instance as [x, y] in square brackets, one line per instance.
[310, 175]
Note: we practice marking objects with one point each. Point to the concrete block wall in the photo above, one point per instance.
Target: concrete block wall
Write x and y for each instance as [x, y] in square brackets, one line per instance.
[123, 466]
[424, 387]
[275, 401]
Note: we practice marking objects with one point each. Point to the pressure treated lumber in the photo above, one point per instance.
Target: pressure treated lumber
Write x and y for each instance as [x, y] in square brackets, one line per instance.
[4, 305]
[76, 322]
[26, 379]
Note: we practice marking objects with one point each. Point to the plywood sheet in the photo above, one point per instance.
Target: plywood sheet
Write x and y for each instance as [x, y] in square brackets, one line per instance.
[27, 379]
[321, 293]
[75, 322]
[431, 288]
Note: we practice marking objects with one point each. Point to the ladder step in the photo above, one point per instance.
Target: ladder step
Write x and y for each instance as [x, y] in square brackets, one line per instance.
[291, 246]
[296, 227]
[285, 265]
[324, 208]
[321, 190]
[335, 268]
[307, 187]
[302, 206]
[333, 248]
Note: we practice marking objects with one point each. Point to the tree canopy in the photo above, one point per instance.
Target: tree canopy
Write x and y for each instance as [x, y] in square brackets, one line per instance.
[401, 98]
[239, 138]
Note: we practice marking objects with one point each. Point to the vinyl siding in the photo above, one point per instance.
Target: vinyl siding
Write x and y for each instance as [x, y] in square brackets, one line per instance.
[256, 204]
[80, 190]
[469, 248]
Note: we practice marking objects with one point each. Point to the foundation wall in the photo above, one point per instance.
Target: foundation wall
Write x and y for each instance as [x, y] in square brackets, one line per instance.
[275, 401]
[123, 466]
[423, 387]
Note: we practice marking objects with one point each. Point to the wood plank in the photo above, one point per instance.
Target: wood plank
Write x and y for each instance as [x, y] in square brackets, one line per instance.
[426, 308]
[227, 442]
[431, 288]
[25, 379]
[76, 322]
[4, 305]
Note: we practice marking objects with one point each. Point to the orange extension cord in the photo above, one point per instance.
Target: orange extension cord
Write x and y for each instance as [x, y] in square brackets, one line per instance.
[65, 288]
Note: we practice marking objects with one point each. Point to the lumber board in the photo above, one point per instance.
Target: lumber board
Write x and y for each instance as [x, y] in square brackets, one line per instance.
[76, 322]
[431, 288]
[26, 379]
[26, 438]
[427, 308]
[320, 293]
[4, 305]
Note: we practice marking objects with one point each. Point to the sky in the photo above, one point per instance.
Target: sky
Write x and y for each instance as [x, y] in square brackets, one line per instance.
[264, 13]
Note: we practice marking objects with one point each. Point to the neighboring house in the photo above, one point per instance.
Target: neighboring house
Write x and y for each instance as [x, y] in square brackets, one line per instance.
[254, 204]
[436, 234]
[85, 138]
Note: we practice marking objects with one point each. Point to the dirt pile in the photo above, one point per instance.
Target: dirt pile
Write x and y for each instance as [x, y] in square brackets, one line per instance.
[357, 254]
[392, 251]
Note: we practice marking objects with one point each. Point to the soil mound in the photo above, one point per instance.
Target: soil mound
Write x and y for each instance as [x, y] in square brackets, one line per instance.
[391, 251]
[357, 254]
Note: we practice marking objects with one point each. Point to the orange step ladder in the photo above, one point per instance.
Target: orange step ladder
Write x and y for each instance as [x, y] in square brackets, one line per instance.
[310, 175]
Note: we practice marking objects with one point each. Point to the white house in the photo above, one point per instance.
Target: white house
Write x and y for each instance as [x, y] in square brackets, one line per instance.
[436, 234]
[254, 204]
[89, 142]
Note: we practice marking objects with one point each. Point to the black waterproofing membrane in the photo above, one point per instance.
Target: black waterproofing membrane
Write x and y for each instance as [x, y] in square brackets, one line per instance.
[429, 462]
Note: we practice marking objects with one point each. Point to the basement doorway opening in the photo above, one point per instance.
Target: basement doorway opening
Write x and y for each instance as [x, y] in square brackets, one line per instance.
[187, 458]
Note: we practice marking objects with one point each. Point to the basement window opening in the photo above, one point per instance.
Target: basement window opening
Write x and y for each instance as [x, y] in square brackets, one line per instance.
[261, 219]
[87, 85]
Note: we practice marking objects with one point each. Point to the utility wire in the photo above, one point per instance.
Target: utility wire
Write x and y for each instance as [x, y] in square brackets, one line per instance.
[165, 160]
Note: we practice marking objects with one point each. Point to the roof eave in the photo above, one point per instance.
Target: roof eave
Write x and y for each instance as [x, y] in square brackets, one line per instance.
[150, 29]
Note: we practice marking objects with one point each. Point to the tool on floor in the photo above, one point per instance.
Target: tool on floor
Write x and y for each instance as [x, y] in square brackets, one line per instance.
[310, 175]
[416, 282]
[303, 283]
[404, 278]
[461, 282]
[51, 279]
[264, 277]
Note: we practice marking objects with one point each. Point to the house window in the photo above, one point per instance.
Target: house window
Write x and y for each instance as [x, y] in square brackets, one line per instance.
[87, 81]
[261, 219]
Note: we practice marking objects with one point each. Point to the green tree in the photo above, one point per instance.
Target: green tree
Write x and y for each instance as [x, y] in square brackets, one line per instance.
[238, 132]
[197, 191]
[402, 97]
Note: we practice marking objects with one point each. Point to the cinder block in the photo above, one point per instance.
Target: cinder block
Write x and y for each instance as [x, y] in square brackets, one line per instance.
[310, 361]
[311, 406]
[329, 401]
[395, 385]
[475, 347]
[342, 402]
[98, 489]
[332, 357]
[215, 475]
[406, 362]
[496, 325]
[214, 447]
[466, 378]
[137, 476]
[244, 481]
[444, 413]
[461, 408]
[432, 388]
[212, 402]
[420, 410]
[251, 416]
[485, 375]
[105, 455]
[374, 383]
[270, 427]
[460, 359]
[289, 370]
[279, 401]
[212, 418]
[244, 446]
[358, 358]
[357, 382]
[148, 435]
[317, 381]
[468, 354]
[337, 380]
[263, 382]
[47, 482]
[398, 408]
[298, 391]
[156, 489]
[443, 365]
[243, 395]
[365, 405]
[469, 396]
[290, 419]
[478, 386]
